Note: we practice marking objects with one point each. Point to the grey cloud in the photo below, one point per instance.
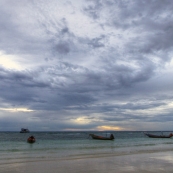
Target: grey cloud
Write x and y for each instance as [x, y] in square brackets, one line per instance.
[93, 8]
[152, 20]
[63, 47]
[71, 94]
[97, 42]
[167, 117]
[88, 73]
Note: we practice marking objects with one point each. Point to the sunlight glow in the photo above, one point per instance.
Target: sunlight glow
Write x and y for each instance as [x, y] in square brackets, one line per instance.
[16, 109]
[77, 129]
[103, 128]
[82, 120]
[7, 61]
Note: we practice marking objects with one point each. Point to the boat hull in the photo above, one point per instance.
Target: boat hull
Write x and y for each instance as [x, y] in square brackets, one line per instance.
[101, 137]
[31, 140]
[158, 136]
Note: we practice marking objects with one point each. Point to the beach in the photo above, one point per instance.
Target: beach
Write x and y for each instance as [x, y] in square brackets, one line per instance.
[104, 163]
[75, 152]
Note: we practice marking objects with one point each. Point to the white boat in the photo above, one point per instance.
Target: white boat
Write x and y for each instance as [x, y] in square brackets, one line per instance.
[23, 130]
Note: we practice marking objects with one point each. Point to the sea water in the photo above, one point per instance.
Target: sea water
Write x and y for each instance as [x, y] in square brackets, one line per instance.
[66, 145]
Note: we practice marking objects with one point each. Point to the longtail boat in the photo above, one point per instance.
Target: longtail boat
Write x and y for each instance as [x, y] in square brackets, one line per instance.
[111, 137]
[158, 136]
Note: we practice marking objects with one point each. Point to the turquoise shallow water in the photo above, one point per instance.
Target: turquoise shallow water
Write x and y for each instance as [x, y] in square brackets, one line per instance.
[51, 145]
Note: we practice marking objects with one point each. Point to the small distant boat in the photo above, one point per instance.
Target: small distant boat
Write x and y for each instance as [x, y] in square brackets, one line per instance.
[111, 137]
[31, 139]
[158, 136]
[23, 130]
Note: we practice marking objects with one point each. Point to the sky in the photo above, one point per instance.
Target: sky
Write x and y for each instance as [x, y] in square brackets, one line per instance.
[70, 65]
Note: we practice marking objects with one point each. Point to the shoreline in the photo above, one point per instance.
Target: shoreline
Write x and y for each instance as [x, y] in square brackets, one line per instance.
[54, 156]
[136, 162]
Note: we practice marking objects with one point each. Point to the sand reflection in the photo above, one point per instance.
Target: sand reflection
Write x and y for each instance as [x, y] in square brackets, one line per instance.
[168, 158]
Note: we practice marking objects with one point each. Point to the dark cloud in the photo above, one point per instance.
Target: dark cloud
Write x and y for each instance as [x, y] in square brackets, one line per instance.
[63, 47]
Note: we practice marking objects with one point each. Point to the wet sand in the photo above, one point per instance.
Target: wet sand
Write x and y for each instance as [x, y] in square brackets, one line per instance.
[105, 163]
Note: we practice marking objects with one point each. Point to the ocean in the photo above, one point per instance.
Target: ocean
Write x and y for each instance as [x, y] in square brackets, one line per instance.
[66, 145]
